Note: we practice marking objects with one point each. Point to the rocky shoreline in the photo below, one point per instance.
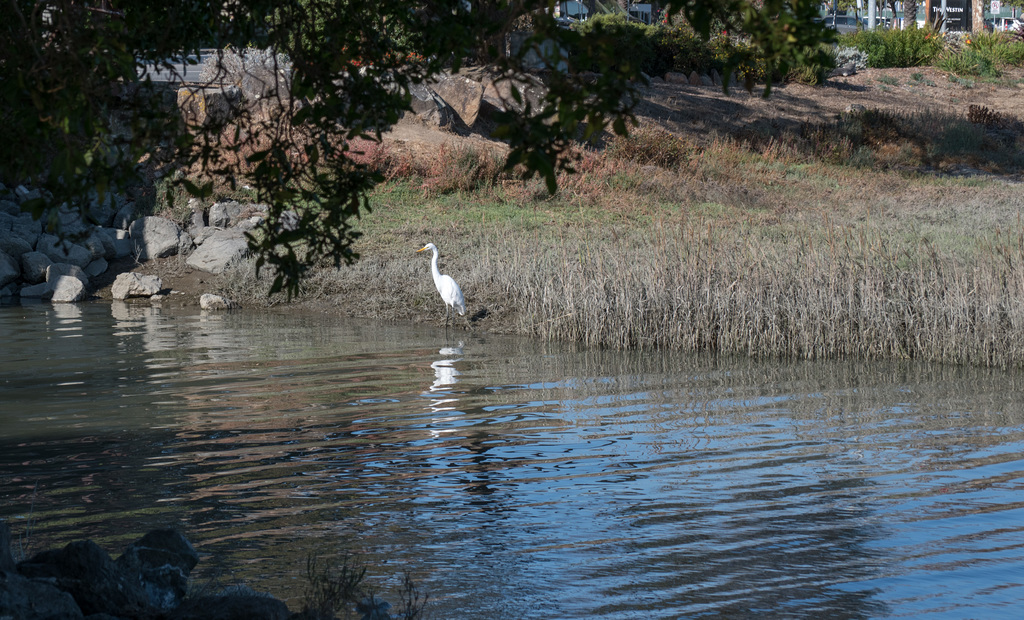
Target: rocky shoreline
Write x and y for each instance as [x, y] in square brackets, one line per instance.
[148, 581]
[99, 250]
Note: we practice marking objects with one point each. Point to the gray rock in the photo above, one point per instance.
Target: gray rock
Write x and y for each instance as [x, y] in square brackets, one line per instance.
[9, 269]
[197, 221]
[86, 571]
[225, 214]
[185, 244]
[135, 285]
[246, 606]
[63, 251]
[846, 70]
[673, 77]
[124, 216]
[14, 246]
[161, 560]
[694, 79]
[101, 243]
[429, 107]
[97, 267]
[33, 267]
[22, 226]
[10, 207]
[67, 289]
[155, 237]
[26, 599]
[209, 301]
[24, 194]
[201, 235]
[249, 224]
[58, 270]
[219, 250]
[43, 290]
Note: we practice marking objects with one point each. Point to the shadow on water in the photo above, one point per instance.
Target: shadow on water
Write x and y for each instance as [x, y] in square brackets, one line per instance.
[516, 478]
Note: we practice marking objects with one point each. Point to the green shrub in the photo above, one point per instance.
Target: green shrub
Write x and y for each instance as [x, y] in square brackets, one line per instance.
[682, 49]
[634, 42]
[660, 48]
[814, 74]
[999, 48]
[969, 62]
[897, 48]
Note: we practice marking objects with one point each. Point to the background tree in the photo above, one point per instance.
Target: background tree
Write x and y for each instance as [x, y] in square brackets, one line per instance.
[82, 111]
[910, 13]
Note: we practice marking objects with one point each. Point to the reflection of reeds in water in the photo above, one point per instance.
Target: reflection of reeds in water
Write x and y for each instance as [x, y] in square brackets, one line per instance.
[846, 294]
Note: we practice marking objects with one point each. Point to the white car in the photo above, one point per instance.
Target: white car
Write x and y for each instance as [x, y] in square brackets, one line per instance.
[1008, 24]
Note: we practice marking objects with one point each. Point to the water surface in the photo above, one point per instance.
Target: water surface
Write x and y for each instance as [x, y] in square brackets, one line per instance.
[512, 478]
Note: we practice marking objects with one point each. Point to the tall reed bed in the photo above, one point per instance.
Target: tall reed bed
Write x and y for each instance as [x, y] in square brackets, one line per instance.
[698, 288]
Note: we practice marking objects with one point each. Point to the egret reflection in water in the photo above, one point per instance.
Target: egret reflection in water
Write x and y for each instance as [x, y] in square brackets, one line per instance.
[446, 375]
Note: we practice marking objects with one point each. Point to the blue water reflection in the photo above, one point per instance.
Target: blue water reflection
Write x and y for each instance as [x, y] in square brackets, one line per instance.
[514, 478]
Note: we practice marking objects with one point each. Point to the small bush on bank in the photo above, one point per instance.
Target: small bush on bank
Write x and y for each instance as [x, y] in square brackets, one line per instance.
[649, 146]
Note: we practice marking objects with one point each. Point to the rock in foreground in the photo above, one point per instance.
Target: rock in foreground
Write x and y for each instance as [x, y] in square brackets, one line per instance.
[149, 580]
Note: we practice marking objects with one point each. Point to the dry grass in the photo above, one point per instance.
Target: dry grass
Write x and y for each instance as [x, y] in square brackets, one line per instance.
[785, 246]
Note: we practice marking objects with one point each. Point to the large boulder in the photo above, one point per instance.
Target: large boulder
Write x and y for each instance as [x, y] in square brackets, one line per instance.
[13, 245]
[219, 250]
[33, 267]
[135, 285]
[462, 93]
[88, 574]
[155, 237]
[161, 561]
[9, 269]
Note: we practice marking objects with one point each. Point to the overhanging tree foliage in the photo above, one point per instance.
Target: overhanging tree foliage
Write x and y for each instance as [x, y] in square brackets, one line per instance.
[79, 112]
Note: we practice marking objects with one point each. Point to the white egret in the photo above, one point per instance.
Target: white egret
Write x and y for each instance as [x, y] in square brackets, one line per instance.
[446, 286]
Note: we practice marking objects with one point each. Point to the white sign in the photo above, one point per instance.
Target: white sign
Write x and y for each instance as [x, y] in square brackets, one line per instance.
[995, 7]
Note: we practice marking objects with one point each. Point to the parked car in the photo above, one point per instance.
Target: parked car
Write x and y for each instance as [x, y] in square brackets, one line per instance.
[842, 24]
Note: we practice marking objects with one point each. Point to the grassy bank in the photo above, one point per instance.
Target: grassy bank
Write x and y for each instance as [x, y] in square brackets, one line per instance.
[728, 247]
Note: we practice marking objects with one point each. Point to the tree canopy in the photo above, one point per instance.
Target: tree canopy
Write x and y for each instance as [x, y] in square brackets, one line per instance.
[80, 111]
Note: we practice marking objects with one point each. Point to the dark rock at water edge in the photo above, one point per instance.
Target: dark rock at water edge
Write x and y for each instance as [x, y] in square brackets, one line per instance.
[148, 581]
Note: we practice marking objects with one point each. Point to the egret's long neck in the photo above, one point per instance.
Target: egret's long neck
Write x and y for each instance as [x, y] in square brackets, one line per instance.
[433, 267]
